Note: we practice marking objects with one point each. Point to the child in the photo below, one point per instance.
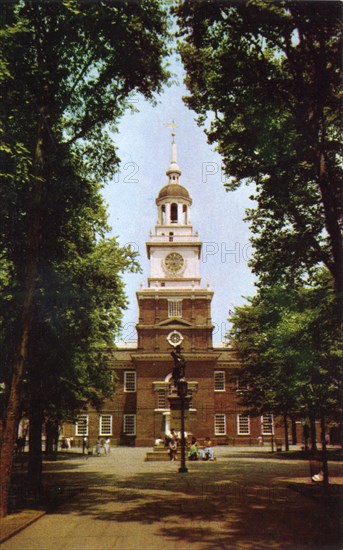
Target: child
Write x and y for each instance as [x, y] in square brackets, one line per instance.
[193, 453]
[173, 448]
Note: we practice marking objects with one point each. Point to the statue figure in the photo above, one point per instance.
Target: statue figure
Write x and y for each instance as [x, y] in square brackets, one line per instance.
[180, 365]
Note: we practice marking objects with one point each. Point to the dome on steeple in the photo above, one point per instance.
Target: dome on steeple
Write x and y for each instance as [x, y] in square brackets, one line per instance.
[173, 190]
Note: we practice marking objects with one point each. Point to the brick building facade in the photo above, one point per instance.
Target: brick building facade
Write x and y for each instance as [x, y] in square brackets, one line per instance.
[174, 309]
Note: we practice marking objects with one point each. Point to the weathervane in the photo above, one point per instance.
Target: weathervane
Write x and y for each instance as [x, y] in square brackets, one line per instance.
[171, 125]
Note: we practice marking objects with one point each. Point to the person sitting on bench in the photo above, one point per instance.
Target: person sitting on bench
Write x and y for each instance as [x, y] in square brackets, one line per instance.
[193, 453]
[207, 451]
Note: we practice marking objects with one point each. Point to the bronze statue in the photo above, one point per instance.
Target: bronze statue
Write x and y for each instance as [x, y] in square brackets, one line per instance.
[180, 365]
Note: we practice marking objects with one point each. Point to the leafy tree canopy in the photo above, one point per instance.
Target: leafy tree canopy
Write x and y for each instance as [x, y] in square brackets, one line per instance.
[288, 340]
[266, 78]
[68, 71]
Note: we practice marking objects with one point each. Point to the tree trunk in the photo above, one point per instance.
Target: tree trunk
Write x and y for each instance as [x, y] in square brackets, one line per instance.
[294, 431]
[49, 439]
[324, 450]
[52, 433]
[330, 189]
[332, 226]
[313, 433]
[306, 435]
[35, 455]
[285, 423]
[14, 399]
[9, 437]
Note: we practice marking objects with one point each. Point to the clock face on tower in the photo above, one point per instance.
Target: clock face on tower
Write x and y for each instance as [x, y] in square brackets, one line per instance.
[174, 262]
[175, 338]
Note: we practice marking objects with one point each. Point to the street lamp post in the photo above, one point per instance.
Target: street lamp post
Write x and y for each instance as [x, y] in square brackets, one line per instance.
[182, 389]
[180, 383]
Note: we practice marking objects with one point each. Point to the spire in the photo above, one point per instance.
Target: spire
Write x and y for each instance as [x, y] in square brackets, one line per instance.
[173, 171]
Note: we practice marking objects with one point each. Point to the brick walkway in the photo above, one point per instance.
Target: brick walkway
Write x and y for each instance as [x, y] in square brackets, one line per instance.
[247, 499]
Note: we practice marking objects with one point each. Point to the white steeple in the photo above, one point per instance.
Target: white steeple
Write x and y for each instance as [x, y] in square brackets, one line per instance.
[173, 248]
[173, 171]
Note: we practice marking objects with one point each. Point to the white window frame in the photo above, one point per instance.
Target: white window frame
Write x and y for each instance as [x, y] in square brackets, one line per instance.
[219, 419]
[267, 423]
[127, 418]
[103, 419]
[243, 424]
[219, 380]
[82, 425]
[132, 382]
[162, 399]
[174, 308]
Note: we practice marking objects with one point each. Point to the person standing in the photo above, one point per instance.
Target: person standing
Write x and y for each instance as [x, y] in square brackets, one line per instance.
[98, 447]
[173, 448]
[107, 446]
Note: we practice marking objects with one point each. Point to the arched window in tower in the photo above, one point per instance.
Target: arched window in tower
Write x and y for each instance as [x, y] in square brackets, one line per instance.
[173, 212]
[163, 214]
[184, 210]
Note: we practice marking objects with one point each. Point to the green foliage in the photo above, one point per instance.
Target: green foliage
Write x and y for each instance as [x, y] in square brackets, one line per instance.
[266, 78]
[78, 309]
[288, 340]
[68, 71]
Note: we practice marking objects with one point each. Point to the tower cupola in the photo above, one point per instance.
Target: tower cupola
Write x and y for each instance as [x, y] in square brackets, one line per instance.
[173, 200]
[174, 249]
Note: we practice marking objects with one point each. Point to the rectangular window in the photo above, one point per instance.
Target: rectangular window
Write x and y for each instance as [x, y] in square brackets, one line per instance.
[129, 381]
[129, 427]
[81, 427]
[105, 424]
[174, 308]
[219, 424]
[243, 424]
[219, 380]
[161, 399]
[267, 424]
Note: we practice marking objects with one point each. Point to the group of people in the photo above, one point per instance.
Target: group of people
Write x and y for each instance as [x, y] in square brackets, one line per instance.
[67, 443]
[206, 453]
[102, 444]
[172, 440]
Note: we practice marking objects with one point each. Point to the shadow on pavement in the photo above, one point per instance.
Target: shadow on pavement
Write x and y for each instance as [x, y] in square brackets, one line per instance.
[219, 506]
[237, 503]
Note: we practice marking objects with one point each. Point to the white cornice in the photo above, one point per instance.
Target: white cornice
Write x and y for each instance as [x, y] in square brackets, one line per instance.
[166, 292]
[155, 357]
[174, 325]
[173, 244]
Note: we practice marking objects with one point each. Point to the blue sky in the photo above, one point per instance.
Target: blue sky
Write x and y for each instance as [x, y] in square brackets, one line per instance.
[144, 147]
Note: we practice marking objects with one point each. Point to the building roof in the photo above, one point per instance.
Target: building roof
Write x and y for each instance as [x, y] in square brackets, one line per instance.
[173, 190]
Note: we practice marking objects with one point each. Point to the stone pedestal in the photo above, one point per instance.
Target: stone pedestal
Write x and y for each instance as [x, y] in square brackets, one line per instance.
[175, 411]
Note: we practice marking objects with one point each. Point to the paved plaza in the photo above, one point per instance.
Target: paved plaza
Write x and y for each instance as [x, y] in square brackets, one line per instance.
[247, 499]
